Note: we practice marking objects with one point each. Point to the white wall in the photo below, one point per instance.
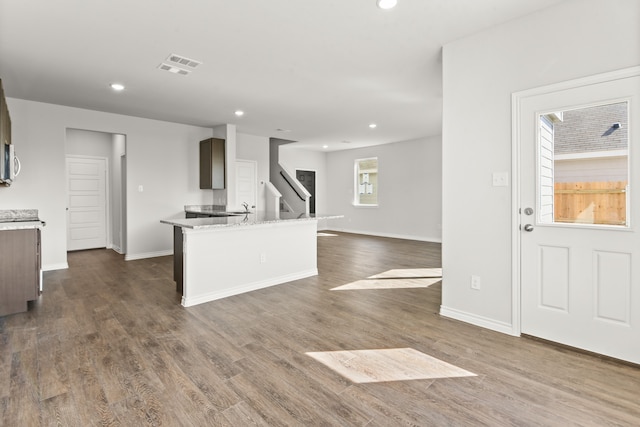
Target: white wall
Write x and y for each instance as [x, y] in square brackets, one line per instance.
[118, 150]
[410, 191]
[251, 147]
[161, 156]
[88, 143]
[574, 39]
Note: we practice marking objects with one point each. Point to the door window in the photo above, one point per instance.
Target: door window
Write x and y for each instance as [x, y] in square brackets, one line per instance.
[583, 166]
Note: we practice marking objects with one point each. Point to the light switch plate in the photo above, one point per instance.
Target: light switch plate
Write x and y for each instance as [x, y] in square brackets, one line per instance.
[501, 179]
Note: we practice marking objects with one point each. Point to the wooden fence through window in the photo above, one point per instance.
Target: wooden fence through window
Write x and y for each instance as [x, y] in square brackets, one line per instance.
[591, 202]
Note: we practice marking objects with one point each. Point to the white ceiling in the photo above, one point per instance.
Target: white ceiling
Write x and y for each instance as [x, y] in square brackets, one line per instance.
[324, 69]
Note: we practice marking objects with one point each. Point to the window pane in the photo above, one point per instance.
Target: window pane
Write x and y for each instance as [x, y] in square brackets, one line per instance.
[583, 171]
[366, 182]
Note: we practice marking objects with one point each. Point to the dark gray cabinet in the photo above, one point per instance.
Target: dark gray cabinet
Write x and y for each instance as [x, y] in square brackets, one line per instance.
[212, 164]
[197, 215]
[19, 269]
[5, 138]
[5, 119]
[178, 252]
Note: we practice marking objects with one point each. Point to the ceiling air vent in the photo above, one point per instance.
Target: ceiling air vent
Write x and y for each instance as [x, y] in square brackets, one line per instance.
[174, 70]
[182, 61]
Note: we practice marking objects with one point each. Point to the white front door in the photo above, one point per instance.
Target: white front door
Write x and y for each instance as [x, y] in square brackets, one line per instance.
[580, 214]
[86, 204]
[246, 171]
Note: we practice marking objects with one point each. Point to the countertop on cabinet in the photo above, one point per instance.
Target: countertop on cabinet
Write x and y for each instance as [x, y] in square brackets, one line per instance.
[250, 219]
[19, 219]
[20, 225]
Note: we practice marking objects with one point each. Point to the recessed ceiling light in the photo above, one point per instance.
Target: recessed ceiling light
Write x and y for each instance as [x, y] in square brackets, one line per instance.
[239, 113]
[117, 86]
[373, 125]
[325, 146]
[387, 4]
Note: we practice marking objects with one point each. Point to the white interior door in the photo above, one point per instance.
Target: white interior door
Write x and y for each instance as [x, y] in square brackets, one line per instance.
[580, 275]
[246, 182]
[86, 204]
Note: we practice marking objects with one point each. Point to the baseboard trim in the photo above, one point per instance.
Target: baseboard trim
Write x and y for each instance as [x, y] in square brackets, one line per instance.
[52, 267]
[474, 319]
[132, 257]
[390, 235]
[212, 296]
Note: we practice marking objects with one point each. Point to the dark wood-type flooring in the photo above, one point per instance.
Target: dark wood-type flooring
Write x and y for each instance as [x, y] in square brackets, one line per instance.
[108, 343]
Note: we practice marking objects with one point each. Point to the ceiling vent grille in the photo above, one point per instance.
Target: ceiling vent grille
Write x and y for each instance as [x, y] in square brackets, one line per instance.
[174, 70]
[182, 61]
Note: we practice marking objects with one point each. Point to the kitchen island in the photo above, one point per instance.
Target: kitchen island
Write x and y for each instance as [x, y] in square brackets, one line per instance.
[218, 257]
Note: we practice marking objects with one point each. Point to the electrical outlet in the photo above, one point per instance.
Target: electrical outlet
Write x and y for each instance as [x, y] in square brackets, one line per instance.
[500, 179]
[263, 258]
[475, 282]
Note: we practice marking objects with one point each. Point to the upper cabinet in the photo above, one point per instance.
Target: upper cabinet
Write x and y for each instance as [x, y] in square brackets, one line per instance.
[5, 120]
[212, 164]
[8, 161]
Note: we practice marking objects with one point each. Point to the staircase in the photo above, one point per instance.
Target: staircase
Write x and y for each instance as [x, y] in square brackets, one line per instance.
[286, 193]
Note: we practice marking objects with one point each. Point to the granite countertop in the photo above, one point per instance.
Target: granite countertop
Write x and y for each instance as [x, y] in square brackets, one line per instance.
[254, 218]
[19, 219]
[8, 215]
[20, 225]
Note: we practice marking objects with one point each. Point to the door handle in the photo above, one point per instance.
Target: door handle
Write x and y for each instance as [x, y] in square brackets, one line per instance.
[528, 227]
[16, 166]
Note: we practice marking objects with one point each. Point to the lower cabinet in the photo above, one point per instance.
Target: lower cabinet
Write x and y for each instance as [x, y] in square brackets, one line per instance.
[198, 215]
[178, 251]
[19, 269]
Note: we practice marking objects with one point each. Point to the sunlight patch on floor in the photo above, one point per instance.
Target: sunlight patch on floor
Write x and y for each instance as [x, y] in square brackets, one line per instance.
[387, 284]
[395, 364]
[396, 279]
[409, 273]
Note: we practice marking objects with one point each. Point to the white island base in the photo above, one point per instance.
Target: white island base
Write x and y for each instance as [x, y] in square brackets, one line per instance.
[219, 262]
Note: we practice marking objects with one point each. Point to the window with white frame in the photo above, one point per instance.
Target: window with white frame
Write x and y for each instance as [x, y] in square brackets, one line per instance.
[366, 182]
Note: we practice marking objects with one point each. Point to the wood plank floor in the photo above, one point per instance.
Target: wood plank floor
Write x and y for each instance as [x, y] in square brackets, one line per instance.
[109, 344]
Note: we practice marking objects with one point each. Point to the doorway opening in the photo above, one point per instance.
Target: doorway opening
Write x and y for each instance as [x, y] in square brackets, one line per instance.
[96, 183]
[308, 180]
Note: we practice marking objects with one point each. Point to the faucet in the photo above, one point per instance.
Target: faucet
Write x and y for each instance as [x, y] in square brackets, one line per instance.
[246, 206]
